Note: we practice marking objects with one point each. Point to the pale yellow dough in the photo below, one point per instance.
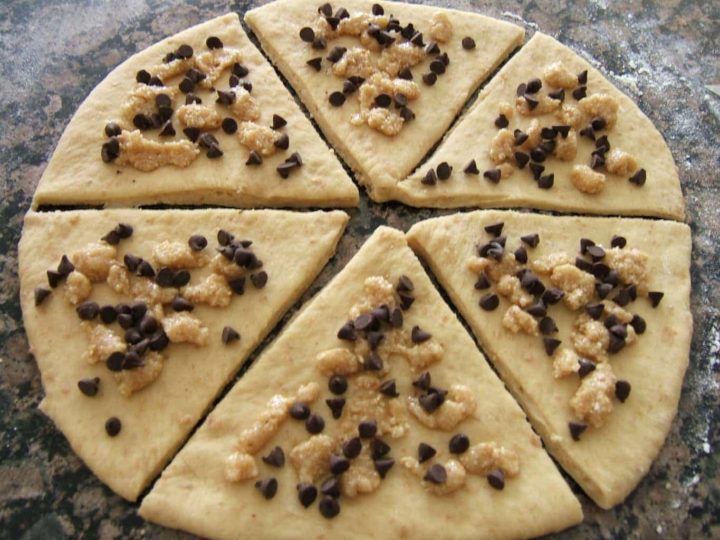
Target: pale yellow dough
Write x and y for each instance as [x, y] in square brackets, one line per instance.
[379, 161]
[293, 246]
[470, 139]
[607, 462]
[77, 175]
[192, 493]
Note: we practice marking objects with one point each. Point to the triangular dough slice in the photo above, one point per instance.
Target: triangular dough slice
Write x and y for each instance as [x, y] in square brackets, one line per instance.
[194, 492]
[609, 460]
[77, 173]
[293, 248]
[381, 160]
[477, 133]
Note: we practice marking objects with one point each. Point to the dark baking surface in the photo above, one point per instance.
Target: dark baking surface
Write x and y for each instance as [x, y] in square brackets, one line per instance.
[660, 53]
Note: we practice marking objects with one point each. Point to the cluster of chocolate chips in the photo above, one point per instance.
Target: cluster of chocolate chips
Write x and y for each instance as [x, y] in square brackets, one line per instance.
[441, 172]
[240, 252]
[430, 397]
[602, 147]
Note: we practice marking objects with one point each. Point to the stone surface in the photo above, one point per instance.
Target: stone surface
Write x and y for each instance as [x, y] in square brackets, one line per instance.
[662, 53]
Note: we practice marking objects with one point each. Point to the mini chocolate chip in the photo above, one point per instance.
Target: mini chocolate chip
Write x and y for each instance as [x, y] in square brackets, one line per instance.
[576, 429]
[125, 320]
[191, 98]
[418, 335]
[496, 479]
[197, 242]
[331, 487]
[482, 282]
[429, 78]
[622, 298]
[319, 43]
[580, 93]
[396, 318]
[444, 170]
[595, 310]
[538, 155]
[459, 443]
[65, 266]
[639, 178]
[115, 361]
[339, 464]
[550, 345]
[338, 384]
[329, 507]
[89, 387]
[374, 339]
[471, 168]
[307, 493]
[113, 426]
[622, 390]
[382, 466]
[436, 474]
[337, 99]
[538, 309]
[546, 182]
[493, 175]
[336, 54]
[229, 125]
[520, 137]
[532, 103]
[586, 367]
[181, 304]
[582, 77]
[423, 381]
[431, 401]
[377, 10]
[40, 295]
[405, 74]
[588, 132]
[314, 424]
[259, 279]
[405, 284]
[299, 411]
[468, 43]
[618, 241]
[425, 452]
[148, 325]
[367, 429]
[547, 326]
[347, 332]
[158, 341]
[307, 34]
[531, 240]
[536, 169]
[388, 388]
[430, 178]
[352, 448]
[655, 297]
[315, 63]
[603, 289]
[533, 86]
[184, 51]
[110, 150]
[616, 343]
[400, 101]
[282, 142]
[112, 129]
[229, 335]
[214, 42]
[267, 487]
[638, 324]
[254, 158]
[521, 255]
[383, 101]
[558, 95]
[437, 66]
[164, 277]
[88, 310]
[489, 302]
[521, 158]
[143, 77]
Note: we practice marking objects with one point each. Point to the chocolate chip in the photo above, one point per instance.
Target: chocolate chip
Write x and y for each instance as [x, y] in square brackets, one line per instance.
[113, 426]
[315, 63]
[459, 443]
[229, 125]
[536, 169]
[331, 487]
[338, 384]
[377, 10]
[550, 345]
[471, 168]
[533, 86]
[396, 318]
[112, 129]
[489, 302]
[347, 332]
[586, 367]
[307, 493]
[89, 387]
[214, 152]
[622, 390]
[191, 98]
[580, 93]
[405, 74]
[158, 341]
[41, 295]
[482, 282]
[639, 178]
[88, 310]
[352, 448]
[383, 101]
[538, 309]
[429, 78]
[299, 411]
[254, 158]
[468, 43]
[382, 466]
[314, 424]
[339, 464]
[65, 266]
[582, 77]
[521, 255]
[388, 388]
[532, 103]
[431, 401]
[214, 42]
[184, 51]
[616, 343]
[418, 335]
[430, 178]
[329, 507]
[425, 452]
[588, 132]
[307, 34]
[493, 175]
[110, 150]
[336, 99]
[546, 182]
[367, 429]
[558, 95]
[192, 133]
[655, 297]
[259, 279]
[595, 310]
[336, 54]
[638, 324]
[520, 137]
[267, 487]
[374, 339]
[618, 241]
[319, 43]
[521, 159]
[547, 326]
[576, 429]
[143, 77]
[229, 335]
[148, 325]
[444, 170]
[181, 304]
[496, 479]
[423, 381]
[437, 67]
[538, 155]
[115, 361]
[436, 474]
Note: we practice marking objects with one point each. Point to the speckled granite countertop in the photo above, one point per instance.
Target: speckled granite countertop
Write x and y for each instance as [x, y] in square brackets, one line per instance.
[55, 51]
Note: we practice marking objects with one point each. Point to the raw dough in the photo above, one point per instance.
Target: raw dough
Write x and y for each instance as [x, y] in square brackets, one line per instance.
[156, 420]
[379, 161]
[192, 493]
[607, 462]
[471, 137]
[77, 175]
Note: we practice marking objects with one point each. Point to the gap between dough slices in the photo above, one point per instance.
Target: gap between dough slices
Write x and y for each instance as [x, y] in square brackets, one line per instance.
[587, 372]
[380, 136]
[197, 118]
[333, 394]
[170, 307]
[550, 132]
